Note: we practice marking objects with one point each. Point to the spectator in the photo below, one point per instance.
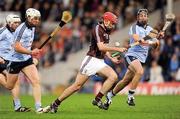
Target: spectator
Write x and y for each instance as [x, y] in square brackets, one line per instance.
[85, 14]
[156, 73]
[76, 35]
[176, 37]
[174, 65]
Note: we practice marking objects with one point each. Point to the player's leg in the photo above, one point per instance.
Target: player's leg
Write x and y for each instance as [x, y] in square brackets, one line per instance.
[118, 87]
[127, 77]
[136, 64]
[3, 75]
[79, 82]
[13, 85]
[16, 100]
[82, 76]
[124, 82]
[3, 80]
[15, 95]
[11, 80]
[31, 73]
[111, 78]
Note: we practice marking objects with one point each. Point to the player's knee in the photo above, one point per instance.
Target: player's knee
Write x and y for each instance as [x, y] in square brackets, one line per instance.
[140, 72]
[113, 77]
[35, 82]
[9, 87]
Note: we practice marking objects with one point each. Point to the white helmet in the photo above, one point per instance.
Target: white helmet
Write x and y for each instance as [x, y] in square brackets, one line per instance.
[11, 18]
[31, 12]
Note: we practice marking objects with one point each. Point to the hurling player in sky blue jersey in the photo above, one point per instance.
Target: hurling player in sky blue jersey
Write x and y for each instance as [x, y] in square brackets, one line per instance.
[21, 60]
[6, 49]
[135, 57]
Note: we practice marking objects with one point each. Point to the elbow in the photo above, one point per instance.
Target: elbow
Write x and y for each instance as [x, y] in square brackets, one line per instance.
[16, 47]
[16, 50]
[101, 48]
[135, 37]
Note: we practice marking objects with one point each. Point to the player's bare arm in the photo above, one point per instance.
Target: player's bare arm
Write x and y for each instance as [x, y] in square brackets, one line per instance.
[19, 48]
[104, 47]
[135, 37]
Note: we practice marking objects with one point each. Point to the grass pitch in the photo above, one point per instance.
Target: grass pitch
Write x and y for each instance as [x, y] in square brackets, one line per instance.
[79, 106]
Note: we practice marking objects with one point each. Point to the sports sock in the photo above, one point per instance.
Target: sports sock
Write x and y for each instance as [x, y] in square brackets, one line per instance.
[111, 94]
[131, 93]
[38, 105]
[17, 104]
[56, 103]
[99, 96]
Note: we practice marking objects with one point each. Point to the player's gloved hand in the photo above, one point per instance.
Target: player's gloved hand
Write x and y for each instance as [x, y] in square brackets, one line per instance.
[2, 61]
[155, 44]
[143, 42]
[35, 52]
[150, 42]
[160, 35]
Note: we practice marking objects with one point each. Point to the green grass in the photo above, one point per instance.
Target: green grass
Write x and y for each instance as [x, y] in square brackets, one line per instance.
[79, 106]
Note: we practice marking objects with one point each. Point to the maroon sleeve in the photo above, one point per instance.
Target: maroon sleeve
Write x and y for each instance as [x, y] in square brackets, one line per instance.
[99, 34]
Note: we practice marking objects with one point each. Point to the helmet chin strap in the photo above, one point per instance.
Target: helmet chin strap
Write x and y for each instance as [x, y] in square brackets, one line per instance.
[28, 23]
[9, 27]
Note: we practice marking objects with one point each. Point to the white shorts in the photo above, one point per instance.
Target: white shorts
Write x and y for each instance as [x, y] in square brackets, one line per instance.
[92, 65]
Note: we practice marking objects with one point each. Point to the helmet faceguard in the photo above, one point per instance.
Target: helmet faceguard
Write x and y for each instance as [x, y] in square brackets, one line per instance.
[145, 11]
[13, 21]
[109, 21]
[31, 15]
[31, 12]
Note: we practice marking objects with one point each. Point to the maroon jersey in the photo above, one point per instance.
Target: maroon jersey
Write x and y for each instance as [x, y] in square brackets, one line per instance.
[98, 34]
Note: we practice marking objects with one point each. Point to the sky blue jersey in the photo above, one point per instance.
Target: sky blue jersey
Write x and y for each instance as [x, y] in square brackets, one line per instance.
[25, 35]
[6, 42]
[139, 51]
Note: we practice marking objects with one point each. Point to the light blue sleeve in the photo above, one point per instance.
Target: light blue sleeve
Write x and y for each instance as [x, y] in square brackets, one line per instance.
[16, 33]
[19, 32]
[150, 28]
[134, 30]
[2, 30]
[2, 35]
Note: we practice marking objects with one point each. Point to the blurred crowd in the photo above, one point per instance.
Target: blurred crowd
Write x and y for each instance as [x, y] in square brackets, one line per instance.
[164, 64]
[86, 13]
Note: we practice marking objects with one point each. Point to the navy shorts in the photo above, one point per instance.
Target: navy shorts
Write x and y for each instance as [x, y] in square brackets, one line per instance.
[4, 66]
[129, 59]
[16, 67]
